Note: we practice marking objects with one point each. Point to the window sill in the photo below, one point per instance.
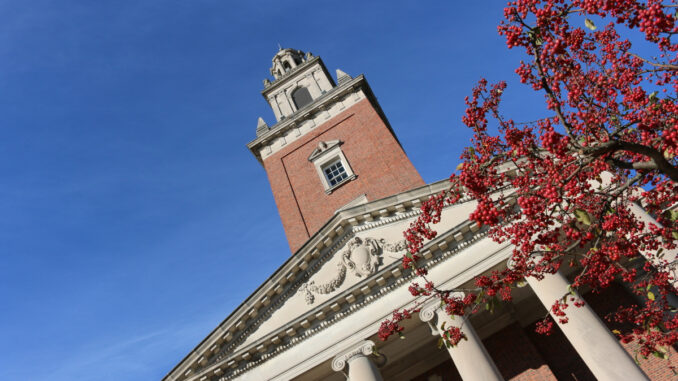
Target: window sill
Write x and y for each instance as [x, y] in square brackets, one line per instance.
[346, 180]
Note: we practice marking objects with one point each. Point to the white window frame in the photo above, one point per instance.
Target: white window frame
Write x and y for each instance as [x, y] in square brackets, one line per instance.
[321, 159]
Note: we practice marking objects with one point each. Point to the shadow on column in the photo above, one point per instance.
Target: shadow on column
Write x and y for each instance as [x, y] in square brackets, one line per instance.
[520, 356]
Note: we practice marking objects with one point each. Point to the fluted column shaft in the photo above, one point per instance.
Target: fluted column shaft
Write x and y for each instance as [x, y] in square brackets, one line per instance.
[469, 356]
[589, 336]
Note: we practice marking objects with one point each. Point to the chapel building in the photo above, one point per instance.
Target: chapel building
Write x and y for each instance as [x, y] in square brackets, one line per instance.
[345, 191]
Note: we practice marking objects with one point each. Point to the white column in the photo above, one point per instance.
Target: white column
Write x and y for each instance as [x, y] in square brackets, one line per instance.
[589, 336]
[360, 367]
[668, 256]
[469, 356]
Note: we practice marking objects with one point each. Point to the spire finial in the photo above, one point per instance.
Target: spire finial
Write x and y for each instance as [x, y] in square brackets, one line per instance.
[279, 47]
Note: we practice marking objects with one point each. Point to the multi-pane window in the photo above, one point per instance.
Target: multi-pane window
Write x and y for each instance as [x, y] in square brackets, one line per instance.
[335, 173]
[331, 164]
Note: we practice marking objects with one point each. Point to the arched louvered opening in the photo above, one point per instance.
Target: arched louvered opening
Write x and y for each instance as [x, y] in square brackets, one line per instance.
[301, 97]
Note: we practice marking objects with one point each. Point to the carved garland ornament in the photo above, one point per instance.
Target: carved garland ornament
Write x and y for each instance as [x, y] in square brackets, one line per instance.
[361, 257]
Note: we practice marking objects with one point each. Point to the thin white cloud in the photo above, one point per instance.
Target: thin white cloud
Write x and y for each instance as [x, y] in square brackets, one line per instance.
[137, 357]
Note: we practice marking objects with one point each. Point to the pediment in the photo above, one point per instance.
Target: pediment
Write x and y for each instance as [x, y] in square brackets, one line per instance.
[352, 259]
[362, 256]
[322, 148]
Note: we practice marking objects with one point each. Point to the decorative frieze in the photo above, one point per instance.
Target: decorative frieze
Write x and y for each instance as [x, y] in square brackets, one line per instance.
[361, 257]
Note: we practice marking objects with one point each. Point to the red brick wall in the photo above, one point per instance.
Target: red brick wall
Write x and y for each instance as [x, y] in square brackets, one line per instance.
[376, 158]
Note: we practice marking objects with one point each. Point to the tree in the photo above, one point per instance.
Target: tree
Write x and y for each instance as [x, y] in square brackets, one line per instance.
[564, 189]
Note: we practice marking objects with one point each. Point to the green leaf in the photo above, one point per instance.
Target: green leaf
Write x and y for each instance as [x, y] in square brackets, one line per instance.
[616, 332]
[653, 96]
[440, 342]
[489, 306]
[583, 216]
[534, 36]
[650, 295]
[589, 24]
[674, 235]
[571, 290]
[660, 355]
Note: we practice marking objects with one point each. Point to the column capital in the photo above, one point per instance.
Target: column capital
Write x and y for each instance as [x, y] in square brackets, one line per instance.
[469, 356]
[362, 348]
[429, 308]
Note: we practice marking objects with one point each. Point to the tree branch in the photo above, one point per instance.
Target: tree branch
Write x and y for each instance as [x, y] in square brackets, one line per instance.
[658, 161]
[655, 64]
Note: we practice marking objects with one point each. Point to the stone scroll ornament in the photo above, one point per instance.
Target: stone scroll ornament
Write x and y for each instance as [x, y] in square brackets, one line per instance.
[361, 257]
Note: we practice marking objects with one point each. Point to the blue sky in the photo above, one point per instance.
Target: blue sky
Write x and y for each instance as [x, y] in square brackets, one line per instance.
[132, 217]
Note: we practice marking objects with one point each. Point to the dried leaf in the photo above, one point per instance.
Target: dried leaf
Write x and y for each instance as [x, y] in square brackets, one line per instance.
[583, 216]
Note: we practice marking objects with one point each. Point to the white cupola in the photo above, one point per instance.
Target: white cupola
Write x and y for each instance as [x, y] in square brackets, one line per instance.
[299, 79]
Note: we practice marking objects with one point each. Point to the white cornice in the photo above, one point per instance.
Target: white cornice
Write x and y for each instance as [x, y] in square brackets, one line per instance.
[307, 112]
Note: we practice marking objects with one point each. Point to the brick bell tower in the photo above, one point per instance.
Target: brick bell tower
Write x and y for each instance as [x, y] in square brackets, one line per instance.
[330, 147]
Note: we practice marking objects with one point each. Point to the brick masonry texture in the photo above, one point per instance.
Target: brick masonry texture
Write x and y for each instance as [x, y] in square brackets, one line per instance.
[376, 158]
